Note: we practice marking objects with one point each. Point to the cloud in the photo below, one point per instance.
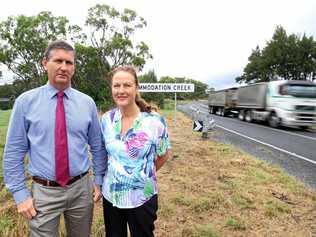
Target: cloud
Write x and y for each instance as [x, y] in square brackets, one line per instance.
[223, 81]
[208, 41]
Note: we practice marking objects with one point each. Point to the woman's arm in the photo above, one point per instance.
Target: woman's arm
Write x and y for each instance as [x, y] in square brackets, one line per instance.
[161, 160]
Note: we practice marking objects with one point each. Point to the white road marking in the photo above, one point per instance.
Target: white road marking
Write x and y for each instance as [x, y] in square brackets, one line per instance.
[280, 130]
[269, 145]
[277, 130]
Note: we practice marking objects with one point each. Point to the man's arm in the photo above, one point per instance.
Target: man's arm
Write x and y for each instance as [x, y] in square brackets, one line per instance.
[99, 156]
[15, 150]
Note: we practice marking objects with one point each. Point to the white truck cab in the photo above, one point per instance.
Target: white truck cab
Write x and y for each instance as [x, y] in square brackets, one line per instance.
[291, 103]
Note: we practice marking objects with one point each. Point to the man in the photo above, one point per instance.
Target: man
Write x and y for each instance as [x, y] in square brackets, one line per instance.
[54, 124]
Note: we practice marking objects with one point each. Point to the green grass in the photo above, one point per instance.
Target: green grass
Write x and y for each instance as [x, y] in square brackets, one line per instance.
[242, 201]
[206, 231]
[4, 120]
[6, 225]
[257, 176]
[275, 208]
[235, 224]
[200, 231]
[166, 209]
[182, 200]
[168, 108]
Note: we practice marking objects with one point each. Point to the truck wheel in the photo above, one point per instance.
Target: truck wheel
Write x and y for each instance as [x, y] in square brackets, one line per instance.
[241, 115]
[248, 116]
[223, 112]
[211, 109]
[274, 120]
[304, 127]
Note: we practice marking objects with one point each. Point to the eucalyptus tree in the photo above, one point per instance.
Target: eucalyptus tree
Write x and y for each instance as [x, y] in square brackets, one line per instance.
[112, 32]
[23, 40]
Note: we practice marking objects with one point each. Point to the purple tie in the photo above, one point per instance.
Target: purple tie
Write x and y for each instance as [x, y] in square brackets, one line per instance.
[61, 144]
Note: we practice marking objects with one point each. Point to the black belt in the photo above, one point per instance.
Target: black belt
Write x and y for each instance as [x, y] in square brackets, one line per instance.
[51, 183]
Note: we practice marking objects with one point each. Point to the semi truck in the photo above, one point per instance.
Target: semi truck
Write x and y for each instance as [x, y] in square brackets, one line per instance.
[279, 103]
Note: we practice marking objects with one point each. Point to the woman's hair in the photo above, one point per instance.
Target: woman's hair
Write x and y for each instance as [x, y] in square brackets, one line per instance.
[141, 103]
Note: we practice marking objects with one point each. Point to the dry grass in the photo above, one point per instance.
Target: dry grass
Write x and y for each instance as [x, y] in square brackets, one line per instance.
[210, 189]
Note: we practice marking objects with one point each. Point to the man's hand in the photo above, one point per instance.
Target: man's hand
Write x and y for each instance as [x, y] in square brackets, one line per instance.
[97, 193]
[26, 208]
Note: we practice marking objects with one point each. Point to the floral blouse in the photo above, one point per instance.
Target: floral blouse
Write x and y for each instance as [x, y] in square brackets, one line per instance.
[130, 179]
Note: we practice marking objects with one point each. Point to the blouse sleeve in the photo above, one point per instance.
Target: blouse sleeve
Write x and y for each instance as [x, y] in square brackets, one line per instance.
[163, 143]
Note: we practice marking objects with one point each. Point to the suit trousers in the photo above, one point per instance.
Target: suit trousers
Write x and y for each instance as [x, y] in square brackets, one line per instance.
[140, 220]
[74, 201]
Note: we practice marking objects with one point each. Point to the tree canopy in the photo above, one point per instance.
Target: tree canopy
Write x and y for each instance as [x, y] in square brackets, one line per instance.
[110, 43]
[112, 35]
[152, 97]
[23, 40]
[107, 40]
[286, 57]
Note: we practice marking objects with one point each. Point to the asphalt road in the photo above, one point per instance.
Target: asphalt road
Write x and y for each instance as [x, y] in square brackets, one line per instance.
[291, 149]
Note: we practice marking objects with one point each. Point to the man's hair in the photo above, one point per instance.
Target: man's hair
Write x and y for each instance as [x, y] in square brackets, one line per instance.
[58, 44]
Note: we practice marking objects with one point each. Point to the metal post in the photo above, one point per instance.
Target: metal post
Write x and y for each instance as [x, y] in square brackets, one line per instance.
[175, 108]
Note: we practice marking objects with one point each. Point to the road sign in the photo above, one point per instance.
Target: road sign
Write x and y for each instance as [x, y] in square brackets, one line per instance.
[166, 87]
[198, 126]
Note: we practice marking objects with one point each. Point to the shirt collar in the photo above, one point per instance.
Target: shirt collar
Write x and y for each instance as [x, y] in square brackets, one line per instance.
[52, 91]
[118, 117]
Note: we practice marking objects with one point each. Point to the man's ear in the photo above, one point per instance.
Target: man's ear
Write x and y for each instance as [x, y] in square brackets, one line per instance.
[44, 63]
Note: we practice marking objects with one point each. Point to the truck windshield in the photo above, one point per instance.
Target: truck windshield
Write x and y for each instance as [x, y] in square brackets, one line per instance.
[308, 91]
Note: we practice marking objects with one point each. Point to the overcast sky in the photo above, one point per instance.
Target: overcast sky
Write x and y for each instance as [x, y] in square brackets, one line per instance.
[206, 40]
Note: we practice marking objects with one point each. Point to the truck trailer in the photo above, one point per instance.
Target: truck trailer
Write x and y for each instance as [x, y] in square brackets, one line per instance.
[222, 102]
[286, 103]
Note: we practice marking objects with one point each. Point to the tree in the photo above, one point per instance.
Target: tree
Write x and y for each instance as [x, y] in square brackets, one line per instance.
[287, 57]
[279, 54]
[167, 79]
[111, 35]
[306, 59]
[90, 76]
[199, 88]
[111, 45]
[6, 98]
[256, 70]
[152, 97]
[23, 41]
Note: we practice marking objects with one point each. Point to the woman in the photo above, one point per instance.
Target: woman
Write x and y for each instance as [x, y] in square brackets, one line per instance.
[137, 143]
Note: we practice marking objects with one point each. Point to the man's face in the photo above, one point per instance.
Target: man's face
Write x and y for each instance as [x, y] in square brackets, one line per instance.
[60, 67]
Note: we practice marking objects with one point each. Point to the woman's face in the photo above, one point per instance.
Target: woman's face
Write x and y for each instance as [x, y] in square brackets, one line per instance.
[124, 89]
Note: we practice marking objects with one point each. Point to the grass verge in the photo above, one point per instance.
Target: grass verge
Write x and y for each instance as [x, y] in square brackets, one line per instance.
[211, 189]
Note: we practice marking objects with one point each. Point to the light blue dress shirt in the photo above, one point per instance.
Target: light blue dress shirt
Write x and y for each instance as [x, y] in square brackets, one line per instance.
[31, 131]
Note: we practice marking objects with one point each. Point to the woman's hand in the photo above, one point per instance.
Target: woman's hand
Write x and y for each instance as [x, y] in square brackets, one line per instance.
[161, 160]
